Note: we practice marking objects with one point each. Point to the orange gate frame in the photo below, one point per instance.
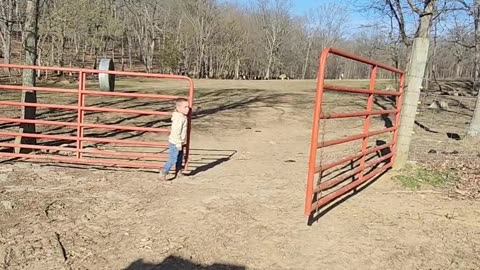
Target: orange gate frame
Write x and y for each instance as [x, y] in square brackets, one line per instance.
[82, 93]
[311, 203]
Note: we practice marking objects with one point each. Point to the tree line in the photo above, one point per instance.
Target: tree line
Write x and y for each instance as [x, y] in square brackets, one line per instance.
[217, 39]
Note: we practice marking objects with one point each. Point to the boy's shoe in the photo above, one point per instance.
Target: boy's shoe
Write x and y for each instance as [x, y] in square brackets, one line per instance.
[180, 174]
[162, 176]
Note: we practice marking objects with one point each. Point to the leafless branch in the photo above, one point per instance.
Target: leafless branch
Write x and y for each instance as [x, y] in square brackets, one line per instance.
[396, 11]
[414, 7]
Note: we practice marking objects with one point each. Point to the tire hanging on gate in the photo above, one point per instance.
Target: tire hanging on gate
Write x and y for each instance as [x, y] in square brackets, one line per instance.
[106, 81]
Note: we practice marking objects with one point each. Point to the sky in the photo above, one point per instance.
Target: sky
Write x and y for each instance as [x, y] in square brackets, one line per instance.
[300, 7]
[358, 17]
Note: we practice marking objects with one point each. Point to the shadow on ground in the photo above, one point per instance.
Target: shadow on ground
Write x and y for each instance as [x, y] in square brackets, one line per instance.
[347, 176]
[177, 263]
[202, 160]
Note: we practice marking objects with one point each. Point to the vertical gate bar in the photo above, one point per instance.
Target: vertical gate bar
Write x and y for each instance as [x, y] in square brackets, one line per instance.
[81, 103]
[397, 118]
[366, 125]
[315, 129]
[189, 123]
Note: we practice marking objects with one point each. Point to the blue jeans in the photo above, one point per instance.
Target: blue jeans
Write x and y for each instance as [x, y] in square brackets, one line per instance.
[175, 157]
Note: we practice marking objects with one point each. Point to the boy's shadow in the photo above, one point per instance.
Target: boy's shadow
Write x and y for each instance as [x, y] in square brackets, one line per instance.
[177, 263]
[202, 160]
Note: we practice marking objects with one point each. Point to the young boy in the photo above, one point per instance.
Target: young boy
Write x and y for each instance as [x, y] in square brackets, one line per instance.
[176, 140]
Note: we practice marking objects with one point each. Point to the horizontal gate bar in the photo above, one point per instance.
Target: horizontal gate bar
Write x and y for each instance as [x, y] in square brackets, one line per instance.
[125, 154]
[94, 71]
[88, 92]
[333, 182]
[70, 124]
[363, 60]
[354, 137]
[37, 88]
[134, 95]
[100, 162]
[85, 139]
[350, 158]
[39, 121]
[75, 108]
[355, 114]
[126, 128]
[89, 151]
[360, 90]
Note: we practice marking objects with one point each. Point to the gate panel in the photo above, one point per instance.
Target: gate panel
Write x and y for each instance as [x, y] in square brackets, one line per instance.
[324, 191]
[80, 147]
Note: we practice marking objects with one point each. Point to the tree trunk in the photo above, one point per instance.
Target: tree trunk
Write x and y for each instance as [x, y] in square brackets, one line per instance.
[84, 53]
[431, 65]
[458, 69]
[269, 65]
[61, 58]
[237, 68]
[123, 54]
[129, 40]
[7, 47]
[95, 58]
[52, 52]
[6, 36]
[30, 32]
[414, 78]
[201, 61]
[113, 51]
[473, 129]
[305, 64]
[151, 51]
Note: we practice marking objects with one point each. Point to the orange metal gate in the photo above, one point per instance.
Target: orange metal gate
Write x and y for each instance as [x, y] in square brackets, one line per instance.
[324, 191]
[81, 146]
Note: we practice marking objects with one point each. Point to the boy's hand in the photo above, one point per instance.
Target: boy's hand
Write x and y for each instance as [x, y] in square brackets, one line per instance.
[179, 147]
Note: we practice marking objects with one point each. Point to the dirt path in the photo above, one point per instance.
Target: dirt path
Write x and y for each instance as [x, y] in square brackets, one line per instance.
[242, 208]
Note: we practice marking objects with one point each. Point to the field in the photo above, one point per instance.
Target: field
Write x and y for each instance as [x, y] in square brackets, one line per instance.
[242, 205]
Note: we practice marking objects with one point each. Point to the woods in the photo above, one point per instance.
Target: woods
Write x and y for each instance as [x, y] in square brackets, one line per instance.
[218, 39]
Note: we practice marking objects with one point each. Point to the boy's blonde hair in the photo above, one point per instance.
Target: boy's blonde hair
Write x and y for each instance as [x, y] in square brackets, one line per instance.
[178, 101]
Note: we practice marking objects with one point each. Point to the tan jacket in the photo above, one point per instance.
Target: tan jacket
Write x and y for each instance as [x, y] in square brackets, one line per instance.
[178, 131]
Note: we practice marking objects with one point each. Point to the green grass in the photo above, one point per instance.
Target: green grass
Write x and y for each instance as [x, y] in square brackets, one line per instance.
[416, 177]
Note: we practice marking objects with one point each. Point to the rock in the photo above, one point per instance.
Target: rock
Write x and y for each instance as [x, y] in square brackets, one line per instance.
[8, 205]
[439, 105]
[432, 151]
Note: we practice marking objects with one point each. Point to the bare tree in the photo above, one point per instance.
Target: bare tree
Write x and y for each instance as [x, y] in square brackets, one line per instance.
[202, 16]
[474, 127]
[274, 20]
[324, 27]
[415, 67]
[30, 37]
[7, 22]
[219, 39]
